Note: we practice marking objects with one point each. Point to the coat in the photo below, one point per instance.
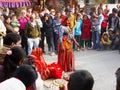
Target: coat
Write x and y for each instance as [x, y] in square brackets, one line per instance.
[86, 29]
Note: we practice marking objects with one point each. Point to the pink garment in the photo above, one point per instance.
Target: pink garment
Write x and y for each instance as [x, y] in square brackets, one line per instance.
[23, 22]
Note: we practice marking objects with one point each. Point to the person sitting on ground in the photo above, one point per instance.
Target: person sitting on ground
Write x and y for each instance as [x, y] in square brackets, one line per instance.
[81, 80]
[116, 41]
[22, 78]
[38, 84]
[10, 40]
[13, 59]
[117, 73]
[105, 42]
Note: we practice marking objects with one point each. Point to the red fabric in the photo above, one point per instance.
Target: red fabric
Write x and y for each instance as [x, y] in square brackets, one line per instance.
[105, 21]
[66, 58]
[56, 70]
[86, 29]
[40, 63]
[46, 71]
[65, 21]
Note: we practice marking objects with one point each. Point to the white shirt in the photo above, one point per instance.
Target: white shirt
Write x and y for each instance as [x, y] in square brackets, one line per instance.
[39, 83]
[12, 84]
[2, 27]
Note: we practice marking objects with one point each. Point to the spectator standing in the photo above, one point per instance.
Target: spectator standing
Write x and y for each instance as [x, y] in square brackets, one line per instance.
[15, 23]
[56, 25]
[9, 28]
[23, 20]
[72, 20]
[113, 20]
[2, 26]
[86, 36]
[32, 33]
[48, 28]
[104, 24]
[78, 31]
[97, 29]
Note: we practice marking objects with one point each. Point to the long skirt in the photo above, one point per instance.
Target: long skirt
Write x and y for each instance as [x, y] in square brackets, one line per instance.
[66, 59]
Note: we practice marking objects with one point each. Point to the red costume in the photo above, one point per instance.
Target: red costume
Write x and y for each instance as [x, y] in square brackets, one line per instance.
[46, 71]
[66, 57]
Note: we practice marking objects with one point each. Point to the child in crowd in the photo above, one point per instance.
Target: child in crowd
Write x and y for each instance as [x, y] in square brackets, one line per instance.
[85, 37]
[105, 42]
[15, 23]
[95, 33]
[111, 34]
[116, 40]
[77, 31]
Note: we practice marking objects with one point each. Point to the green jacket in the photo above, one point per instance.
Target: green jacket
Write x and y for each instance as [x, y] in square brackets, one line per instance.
[32, 32]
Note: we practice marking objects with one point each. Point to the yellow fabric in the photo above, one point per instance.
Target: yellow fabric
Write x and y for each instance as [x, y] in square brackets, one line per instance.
[72, 22]
[104, 40]
[67, 44]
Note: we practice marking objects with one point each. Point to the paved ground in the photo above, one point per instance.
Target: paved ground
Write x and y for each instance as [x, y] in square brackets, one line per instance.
[101, 64]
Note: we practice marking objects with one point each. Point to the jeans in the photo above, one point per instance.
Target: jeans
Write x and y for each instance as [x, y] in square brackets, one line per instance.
[96, 39]
[50, 42]
[32, 43]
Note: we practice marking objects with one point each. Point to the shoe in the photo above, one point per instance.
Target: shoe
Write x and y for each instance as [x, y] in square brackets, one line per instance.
[78, 49]
[89, 48]
[83, 49]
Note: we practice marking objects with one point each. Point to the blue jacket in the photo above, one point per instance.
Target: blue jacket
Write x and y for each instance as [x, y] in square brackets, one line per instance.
[78, 28]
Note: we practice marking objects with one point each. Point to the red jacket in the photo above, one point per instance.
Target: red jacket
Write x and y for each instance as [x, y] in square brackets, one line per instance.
[86, 29]
[105, 21]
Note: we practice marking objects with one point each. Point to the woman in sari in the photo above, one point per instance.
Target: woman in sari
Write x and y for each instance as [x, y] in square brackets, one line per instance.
[65, 53]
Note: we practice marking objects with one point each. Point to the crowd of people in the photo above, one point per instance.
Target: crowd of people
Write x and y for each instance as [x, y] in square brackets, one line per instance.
[65, 31]
[85, 31]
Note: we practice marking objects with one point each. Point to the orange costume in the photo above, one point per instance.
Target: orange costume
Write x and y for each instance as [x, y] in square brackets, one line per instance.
[65, 56]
